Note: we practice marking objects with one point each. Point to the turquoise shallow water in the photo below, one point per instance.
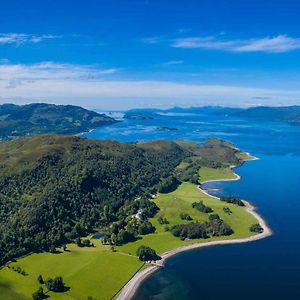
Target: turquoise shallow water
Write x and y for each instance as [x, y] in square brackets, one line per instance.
[266, 269]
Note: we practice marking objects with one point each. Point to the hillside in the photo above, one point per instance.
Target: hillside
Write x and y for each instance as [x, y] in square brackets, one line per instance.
[289, 114]
[41, 118]
[56, 188]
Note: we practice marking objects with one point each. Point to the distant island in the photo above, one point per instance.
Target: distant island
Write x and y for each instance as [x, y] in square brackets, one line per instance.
[42, 118]
[287, 114]
[140, 114]
[166, 128]
[75, 208]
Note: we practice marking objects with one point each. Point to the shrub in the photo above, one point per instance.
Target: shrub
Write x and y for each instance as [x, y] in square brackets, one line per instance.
[256, 228]
[185, 216]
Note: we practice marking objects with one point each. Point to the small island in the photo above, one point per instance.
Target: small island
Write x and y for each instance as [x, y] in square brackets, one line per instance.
[166, 210]
[166, 128]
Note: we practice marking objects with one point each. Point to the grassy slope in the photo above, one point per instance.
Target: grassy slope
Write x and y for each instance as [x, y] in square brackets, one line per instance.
[101, 273]
[215, 174]
[172, 204]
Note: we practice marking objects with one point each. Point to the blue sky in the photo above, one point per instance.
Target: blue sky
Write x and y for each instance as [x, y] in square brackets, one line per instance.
[111, 54]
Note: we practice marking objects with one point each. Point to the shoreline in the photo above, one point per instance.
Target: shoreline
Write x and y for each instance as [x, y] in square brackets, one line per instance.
[132, 286]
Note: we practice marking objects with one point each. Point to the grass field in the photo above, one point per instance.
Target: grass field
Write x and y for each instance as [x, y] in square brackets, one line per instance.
[98, 271]
[172, 204]
[215, 174]
[244, 156]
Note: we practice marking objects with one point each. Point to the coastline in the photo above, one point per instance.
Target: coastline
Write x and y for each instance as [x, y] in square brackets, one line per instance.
[131, 287]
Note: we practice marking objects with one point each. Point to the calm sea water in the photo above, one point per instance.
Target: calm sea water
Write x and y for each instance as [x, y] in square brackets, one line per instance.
[266, 269]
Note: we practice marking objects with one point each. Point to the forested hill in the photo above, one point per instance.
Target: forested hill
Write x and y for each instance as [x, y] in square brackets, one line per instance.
[41, 118]
[55, 188]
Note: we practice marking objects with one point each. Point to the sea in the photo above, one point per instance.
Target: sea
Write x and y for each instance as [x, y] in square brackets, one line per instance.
[264, 269]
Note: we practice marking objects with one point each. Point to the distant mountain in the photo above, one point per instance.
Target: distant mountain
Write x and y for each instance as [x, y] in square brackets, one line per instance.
[290, 114]
[141, 114]
[151, 113]
[215, 110]
[40, 118]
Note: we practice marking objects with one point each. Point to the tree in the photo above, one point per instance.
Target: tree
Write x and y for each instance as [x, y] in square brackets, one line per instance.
[185, 216]
[40, 279]
[256, 228]
[146, 228]
[213, 217]
[55, 285]
[78, 242]
[39, 295]
[86, 243]
[146, 253]
[113, 239]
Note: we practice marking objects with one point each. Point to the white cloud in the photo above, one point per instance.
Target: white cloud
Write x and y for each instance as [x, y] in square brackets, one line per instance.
[277, 44]
[150, 40]
[23, 38]
[173, 62]
[13, 74]
[93, 87]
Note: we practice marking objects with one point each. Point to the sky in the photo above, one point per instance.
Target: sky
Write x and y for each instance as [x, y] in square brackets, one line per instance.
[119, 54]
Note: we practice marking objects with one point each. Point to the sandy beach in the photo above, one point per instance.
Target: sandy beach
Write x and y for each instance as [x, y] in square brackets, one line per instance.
[132, 286]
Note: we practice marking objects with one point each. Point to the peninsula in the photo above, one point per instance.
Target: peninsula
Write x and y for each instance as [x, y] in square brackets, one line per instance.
[206, 175]
[90, 207]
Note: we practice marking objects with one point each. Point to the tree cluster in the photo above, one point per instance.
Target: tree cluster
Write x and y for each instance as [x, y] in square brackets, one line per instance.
[128, 230]
[39, 294]
[227, 210]
[202, 230]
[55, 284]
[234, 200]
[185, 216]
[168, 184]
[162, 220]
[256, 228]
[202, 207]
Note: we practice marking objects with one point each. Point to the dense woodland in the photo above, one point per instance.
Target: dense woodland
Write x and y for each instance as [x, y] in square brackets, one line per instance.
[55, 189]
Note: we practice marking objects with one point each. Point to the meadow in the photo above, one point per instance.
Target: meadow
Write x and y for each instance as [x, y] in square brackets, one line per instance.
[96, 272]
[207, 174]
